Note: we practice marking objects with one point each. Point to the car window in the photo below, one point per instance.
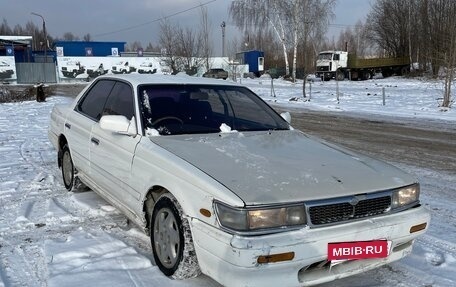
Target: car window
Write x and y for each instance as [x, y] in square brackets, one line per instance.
[94, 100]
[191, 109]
[248, 115]
[120, 101]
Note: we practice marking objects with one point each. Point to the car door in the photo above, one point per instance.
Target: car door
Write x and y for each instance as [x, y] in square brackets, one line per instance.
[111, 154]
[78, 126]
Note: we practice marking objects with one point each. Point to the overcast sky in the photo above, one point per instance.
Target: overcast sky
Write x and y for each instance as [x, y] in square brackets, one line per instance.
[134, 19]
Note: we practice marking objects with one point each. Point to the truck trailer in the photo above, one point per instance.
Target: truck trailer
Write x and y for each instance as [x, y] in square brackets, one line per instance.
[340, 65]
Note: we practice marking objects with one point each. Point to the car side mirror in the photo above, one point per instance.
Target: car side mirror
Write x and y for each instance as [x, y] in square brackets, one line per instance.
[286, 116]
[119, 125]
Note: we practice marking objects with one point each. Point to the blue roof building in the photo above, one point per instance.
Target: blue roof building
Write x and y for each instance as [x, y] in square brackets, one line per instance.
[83, 48]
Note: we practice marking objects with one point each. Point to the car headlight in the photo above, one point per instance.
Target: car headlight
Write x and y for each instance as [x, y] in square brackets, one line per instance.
[406, 196]
[253, 219]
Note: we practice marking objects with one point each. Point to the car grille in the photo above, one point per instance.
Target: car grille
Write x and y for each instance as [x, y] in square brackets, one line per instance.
[323, 69]
[345, 211]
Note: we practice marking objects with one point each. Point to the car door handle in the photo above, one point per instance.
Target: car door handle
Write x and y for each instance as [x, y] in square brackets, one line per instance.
[95, 141]
[67, 125]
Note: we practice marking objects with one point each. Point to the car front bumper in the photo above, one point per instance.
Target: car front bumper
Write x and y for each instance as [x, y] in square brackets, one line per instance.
[232, 259]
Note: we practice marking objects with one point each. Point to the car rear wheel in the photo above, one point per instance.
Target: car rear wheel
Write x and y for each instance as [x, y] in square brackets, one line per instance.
[171, 238]
[67, 168]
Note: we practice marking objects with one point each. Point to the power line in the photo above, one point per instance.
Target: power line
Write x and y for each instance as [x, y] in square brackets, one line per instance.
[153, 21]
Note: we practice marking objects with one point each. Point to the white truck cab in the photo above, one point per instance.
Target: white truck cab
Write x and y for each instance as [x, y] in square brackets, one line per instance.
[330, 63]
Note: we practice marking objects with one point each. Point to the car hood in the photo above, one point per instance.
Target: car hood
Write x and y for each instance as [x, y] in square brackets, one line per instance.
[282, 166]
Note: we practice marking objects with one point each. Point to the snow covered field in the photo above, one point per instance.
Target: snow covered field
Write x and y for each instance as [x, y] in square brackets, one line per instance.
[49, 237]
[403, 98]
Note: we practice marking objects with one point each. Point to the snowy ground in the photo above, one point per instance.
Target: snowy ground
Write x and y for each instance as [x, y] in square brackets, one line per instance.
[49, 237]
[403, 98]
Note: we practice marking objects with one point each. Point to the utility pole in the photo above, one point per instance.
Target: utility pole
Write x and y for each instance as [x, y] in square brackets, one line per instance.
[223, 25]
[45, 44]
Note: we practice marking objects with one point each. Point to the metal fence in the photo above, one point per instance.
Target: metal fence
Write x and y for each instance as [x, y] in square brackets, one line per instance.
[32, 73]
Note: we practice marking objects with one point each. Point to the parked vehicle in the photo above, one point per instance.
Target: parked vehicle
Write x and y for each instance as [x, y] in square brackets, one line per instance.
[72, 69]
[225, 186]
[122, 68]
[147, 68]
[216, 74]
[95, 71]
[5, 70]
[339, 65]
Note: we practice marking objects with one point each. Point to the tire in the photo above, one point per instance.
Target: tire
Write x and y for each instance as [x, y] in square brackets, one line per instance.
[68, 173]
[171, 239]
[340, 76]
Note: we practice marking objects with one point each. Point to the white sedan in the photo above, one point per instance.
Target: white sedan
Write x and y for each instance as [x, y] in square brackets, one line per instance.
[225, 186]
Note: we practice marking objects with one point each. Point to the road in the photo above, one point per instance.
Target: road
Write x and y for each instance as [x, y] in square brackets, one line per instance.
[427, 144]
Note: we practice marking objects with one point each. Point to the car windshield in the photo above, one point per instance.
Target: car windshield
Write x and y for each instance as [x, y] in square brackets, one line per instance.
[325, 56]
[198, 109]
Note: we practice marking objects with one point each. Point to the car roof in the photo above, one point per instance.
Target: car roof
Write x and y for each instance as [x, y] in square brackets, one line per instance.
[141, 79]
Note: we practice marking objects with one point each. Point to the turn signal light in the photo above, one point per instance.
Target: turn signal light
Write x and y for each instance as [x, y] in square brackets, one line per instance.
[418, 227]
[205, 212]
[275, 258]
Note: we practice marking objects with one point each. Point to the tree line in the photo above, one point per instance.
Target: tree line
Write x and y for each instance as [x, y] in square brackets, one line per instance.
[423, 30]
[292, 32]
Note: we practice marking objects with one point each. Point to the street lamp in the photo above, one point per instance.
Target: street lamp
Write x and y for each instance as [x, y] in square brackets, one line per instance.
[223, 25]
[45, 43]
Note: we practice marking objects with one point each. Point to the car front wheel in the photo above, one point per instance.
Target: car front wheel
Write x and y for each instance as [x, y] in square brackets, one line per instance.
[171, 238]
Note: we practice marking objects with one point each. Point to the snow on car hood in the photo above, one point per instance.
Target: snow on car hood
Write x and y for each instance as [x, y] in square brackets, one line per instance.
[282, 166]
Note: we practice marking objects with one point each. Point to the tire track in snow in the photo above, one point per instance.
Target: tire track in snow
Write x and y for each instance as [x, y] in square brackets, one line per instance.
[437, 246]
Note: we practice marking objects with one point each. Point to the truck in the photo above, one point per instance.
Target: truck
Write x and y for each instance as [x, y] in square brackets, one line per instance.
[96, 70]
[6, 71]
[147, 68]
[72, 69]
[122, 68]
[341, 64]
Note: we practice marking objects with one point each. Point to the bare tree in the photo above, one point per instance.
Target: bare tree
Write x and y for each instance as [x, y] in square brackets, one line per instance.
[168, 40]
[356, 40]
[314, 19]
[204, 38]
[5, 29]
[424, 30]
[264, 13]
[151, 48]
[292, 21]
[188, 50]
[134, 46]
[185, 49]
[37, 35]
[68, 36]
[87, 37]
[389, 22]
[449, 59]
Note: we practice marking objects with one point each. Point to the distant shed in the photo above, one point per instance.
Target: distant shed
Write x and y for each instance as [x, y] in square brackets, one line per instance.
[83, 48]
[255, 60]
